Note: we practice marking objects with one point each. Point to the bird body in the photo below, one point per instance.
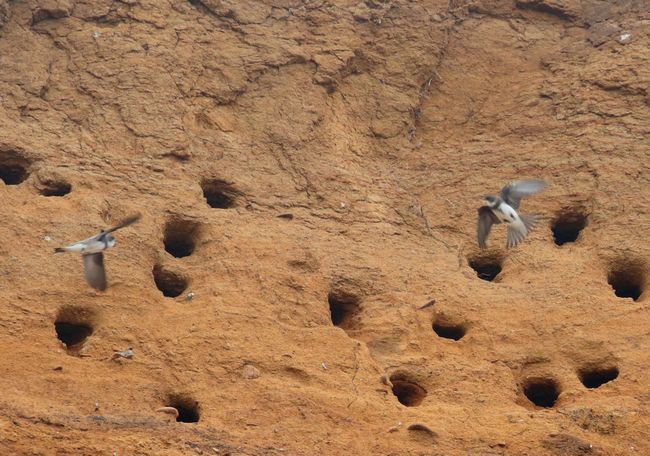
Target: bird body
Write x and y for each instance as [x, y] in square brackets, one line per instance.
[92, 251]
[94, 244]
[503, 209]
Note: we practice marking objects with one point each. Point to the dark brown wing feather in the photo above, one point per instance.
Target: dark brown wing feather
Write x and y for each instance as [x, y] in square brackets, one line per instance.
[485, 220]
[94, 270]
[126, 222]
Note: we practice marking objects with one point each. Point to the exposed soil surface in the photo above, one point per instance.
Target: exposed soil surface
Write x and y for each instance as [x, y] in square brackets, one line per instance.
[308, 174]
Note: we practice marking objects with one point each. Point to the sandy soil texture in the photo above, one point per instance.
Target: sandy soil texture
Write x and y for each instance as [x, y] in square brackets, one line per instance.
[305, 278]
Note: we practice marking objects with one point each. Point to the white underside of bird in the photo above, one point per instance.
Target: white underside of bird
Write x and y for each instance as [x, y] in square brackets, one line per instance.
[87, 246]
[503, 209]
[92, 252]
[518, 227]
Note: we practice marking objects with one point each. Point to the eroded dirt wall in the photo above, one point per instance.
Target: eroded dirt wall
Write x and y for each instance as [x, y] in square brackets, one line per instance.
[308, 174]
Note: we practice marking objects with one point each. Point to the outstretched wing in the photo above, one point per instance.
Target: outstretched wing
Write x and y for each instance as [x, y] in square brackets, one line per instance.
[515, 191]
[485, 220]
[126, 222]
[94, 270]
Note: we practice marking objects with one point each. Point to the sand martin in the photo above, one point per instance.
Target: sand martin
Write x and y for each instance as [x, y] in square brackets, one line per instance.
[92, 250]
[503, 209]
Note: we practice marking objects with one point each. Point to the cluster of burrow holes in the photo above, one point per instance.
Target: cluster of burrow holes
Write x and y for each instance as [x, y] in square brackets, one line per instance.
[73, 326]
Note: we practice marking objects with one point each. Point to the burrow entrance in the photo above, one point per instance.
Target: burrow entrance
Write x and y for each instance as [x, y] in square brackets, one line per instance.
[627, 280]
[543, 392]
[568, 225]
[55, 188]
[407, 391]
[168, 282]
[181, 237]
[594, 377]
[219, 194]
[14, 168]
[73, 325]
[344, 307]
[448, 329]
[487, 267]
[188, 408]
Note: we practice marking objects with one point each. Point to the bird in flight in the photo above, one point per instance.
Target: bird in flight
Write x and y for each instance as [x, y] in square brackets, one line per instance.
[92, 251]
[503, 209]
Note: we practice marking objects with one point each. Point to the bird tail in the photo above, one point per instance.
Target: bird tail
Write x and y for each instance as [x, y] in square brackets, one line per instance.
[530, 221]
[59, 250]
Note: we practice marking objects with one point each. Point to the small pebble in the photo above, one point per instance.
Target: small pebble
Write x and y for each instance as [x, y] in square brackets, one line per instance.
[189, 296]
[625, 38]
[395, 428]
[250, 372]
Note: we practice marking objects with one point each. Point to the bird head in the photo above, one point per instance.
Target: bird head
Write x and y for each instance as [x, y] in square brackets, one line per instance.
[491, 200]
[111, 240]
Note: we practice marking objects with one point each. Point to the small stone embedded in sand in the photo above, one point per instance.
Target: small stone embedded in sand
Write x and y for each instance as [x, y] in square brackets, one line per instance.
[625, 37]
[422, 428]
[250, 372]
[395, 428]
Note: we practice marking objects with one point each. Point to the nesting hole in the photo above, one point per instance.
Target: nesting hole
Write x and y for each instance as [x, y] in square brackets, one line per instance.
[568, 225]
[180, 237]
[344, 306]
[13, 167]
[408, 392]
[188, 409]
[73, 325]
[627, 281]
[449, 330]
[169, 283]
[487, 267]
[55, 188]
[219, 194]
[543, 392]
[595, 377]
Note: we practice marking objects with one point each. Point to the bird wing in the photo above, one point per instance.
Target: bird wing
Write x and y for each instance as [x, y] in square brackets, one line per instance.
[485, 220]
[513, 192]
[94, 270]
[126, 222]
[516, 233]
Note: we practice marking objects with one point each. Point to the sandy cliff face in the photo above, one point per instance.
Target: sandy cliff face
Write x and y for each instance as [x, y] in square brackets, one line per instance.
[310, 172]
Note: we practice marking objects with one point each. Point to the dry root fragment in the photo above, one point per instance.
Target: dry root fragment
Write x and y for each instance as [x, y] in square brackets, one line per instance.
[172, 411]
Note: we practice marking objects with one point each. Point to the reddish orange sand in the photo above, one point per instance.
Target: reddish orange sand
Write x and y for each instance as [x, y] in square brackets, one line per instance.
[346, 146]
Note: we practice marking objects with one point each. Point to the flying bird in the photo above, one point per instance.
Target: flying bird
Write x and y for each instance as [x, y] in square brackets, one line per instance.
[503, 209]
[92, 251]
